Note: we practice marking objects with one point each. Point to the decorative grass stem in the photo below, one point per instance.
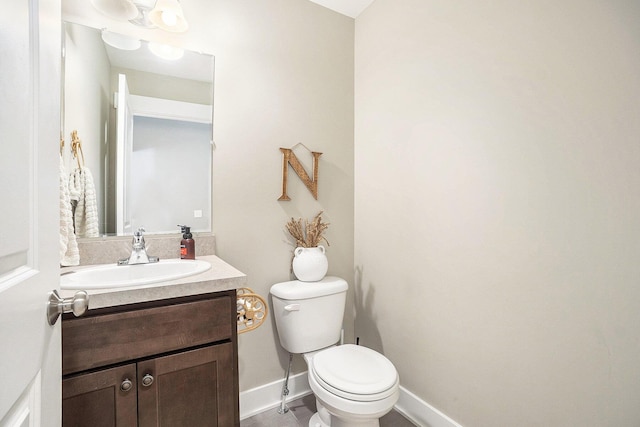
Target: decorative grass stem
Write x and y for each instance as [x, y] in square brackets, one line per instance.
[309, 234]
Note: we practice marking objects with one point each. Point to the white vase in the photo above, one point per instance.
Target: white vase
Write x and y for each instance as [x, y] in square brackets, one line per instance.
[310, 264]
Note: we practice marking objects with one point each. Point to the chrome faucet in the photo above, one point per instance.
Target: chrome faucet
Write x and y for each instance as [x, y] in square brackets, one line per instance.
[139, 251]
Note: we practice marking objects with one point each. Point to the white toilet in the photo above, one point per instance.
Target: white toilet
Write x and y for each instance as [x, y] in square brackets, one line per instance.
[353, 385]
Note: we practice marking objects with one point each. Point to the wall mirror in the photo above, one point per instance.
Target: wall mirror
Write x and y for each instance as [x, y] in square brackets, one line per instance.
[144, 114]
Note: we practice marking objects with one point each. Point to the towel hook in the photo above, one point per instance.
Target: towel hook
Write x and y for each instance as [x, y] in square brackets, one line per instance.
[76, 145]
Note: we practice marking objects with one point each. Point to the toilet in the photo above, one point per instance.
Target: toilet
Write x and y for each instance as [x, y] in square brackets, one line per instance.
[353, 385]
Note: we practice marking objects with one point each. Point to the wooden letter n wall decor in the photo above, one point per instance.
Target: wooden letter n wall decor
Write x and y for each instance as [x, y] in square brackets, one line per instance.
[289, 158]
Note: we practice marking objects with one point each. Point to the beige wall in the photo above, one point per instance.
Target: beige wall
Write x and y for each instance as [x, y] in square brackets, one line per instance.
[283, 75]
[496, 190]
[163, 87]
[497, 202]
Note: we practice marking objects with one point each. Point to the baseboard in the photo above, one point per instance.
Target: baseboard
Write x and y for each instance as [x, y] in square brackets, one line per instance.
[268, 396]
[420, 412]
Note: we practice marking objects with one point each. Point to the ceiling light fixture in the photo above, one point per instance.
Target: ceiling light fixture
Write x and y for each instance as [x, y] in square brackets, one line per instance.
[116, 9]
[144, 8]
[168, 15]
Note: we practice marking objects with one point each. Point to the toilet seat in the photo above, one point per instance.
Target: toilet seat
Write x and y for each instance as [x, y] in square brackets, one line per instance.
[354, 372]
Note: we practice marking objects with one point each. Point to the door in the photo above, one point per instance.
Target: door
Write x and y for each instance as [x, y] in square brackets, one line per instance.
[29, 194]
[124, 152]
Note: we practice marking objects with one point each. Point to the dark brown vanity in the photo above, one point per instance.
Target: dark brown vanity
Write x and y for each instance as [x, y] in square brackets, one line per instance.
[159, 362]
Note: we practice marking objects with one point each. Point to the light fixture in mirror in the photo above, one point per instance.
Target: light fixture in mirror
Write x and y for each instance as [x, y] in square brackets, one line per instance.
[170, 53]
[151, 165]
[120, 41]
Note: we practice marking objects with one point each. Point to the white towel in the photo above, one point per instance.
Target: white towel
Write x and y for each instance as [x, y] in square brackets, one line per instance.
[83, 191]
[69, 254]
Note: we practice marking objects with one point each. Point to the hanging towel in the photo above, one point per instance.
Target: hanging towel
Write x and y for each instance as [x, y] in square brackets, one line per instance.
[69, 254]
[83, 193]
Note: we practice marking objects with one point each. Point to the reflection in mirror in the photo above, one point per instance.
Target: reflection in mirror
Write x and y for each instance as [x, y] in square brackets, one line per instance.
[144, 115]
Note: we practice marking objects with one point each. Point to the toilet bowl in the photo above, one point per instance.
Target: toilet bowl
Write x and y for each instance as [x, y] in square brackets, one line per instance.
[354, 386]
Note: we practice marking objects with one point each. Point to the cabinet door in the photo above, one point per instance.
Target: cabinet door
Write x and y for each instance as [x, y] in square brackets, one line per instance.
[194, 388]
[106, 398]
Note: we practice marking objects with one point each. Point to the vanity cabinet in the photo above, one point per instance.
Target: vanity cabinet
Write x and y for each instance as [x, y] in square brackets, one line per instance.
[104, 398]
[162, 363]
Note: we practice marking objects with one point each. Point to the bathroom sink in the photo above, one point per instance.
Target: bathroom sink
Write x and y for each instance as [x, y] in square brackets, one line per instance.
[116, 276]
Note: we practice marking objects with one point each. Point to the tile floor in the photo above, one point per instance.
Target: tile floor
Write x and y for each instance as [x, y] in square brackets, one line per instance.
[301, 410]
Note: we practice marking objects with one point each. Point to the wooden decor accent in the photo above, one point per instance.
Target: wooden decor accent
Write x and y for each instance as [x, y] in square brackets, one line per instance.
[251, 309]
[76, 147]
[289, 158]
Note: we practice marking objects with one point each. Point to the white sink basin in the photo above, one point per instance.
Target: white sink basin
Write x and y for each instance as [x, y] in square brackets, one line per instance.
[117, 276]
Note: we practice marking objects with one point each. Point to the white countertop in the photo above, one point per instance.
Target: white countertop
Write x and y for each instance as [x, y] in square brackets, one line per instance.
[220, 277]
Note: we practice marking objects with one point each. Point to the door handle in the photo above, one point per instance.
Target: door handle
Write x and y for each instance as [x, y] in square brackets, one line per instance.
[78, 305]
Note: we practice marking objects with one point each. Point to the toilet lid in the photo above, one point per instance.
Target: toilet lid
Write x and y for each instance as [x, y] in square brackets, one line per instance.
[354, 370]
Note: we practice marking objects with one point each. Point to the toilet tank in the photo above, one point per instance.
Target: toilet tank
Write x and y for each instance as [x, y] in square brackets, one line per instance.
[309, 314]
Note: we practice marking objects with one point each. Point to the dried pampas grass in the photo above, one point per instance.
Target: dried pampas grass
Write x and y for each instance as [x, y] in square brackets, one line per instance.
[309, 234]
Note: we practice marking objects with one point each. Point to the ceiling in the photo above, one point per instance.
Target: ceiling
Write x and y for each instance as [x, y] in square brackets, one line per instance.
[350, 8]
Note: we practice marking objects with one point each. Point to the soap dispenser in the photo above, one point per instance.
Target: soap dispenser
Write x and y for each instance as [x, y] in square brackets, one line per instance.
[187, 244]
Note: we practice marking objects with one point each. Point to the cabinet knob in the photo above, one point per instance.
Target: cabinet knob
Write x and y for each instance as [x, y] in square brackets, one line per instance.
[147, 380]
[126, 385]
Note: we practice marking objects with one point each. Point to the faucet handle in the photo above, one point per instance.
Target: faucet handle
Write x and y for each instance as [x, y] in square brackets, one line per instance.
[138, 239]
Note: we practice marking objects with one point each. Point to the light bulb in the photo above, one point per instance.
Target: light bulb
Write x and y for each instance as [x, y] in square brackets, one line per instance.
[169, 17]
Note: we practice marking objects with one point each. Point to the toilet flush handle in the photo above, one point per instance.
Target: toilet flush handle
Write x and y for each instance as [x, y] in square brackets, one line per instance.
[292, 307]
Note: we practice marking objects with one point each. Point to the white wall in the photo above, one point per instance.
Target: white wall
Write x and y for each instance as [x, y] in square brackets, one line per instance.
[497, 203]
[171, 166]
[86, 94]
